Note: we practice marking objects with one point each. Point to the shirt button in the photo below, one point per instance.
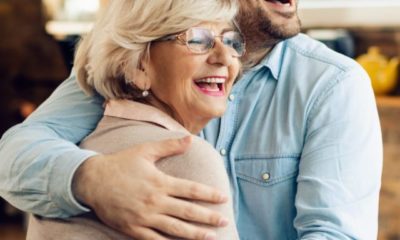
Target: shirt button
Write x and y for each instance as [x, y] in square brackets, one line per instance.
[231, 97]
[266, 177]
[222, 152]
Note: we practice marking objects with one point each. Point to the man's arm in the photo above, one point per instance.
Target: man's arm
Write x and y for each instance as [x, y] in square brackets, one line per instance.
[340, 167]
[39, 157]
[40, 162]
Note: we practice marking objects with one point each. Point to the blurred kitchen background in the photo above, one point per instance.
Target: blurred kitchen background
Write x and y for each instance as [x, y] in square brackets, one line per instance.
[37, 46]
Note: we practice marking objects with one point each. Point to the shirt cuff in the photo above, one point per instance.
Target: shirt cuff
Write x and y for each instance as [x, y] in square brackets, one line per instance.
[60, 186]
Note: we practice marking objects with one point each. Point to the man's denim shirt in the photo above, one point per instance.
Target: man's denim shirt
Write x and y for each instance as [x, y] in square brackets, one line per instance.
[301, 141]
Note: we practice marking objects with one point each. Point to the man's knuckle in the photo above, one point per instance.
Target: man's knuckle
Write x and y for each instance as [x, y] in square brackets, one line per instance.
[175, 228]
[214, 218]
[141, 218]
[151, 200]
[200, 234]
[188, 213]
[134, 231]
[215, 196]
[194, 190]
[158, 182]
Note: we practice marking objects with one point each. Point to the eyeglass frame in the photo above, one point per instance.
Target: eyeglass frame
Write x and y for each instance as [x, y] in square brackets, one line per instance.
[178, 37]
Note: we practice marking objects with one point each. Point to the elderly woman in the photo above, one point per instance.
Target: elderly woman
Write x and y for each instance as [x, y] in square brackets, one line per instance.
[165, 68]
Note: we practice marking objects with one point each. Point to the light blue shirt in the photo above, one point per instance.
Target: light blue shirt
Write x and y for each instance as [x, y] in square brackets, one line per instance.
[300, 139]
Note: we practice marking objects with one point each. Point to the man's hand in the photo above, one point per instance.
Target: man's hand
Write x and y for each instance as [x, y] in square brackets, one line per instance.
[131, 195]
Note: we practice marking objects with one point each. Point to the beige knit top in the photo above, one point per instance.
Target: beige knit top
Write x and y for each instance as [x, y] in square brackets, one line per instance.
[125, 124]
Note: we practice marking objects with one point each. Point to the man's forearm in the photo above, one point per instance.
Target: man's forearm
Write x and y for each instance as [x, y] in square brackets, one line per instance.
[38, 158]
[37, 173]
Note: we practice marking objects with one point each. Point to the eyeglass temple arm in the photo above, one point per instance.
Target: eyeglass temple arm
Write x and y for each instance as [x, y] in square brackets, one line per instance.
[237, 26]
[168, 38]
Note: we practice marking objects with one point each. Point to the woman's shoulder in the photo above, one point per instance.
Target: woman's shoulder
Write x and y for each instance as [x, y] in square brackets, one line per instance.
[113, 134]
[201, 147]
[198, 147]
[201, 162]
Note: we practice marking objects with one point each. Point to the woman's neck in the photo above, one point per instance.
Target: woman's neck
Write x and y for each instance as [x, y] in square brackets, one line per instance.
[193, 125]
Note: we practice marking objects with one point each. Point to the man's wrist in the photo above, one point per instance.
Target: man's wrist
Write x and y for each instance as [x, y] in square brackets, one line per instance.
[83, 179]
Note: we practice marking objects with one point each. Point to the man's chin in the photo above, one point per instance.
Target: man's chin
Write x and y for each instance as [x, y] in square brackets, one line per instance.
[284, 29]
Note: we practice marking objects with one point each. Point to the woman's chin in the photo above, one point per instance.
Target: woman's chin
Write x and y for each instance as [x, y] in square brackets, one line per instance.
[215, 113]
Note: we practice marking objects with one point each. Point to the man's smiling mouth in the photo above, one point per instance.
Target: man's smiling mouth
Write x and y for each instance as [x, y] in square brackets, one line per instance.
[283, 2]
[282, 6]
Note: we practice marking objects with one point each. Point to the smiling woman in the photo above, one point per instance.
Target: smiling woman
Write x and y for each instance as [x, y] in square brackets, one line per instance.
[165, 69]
[195, 83]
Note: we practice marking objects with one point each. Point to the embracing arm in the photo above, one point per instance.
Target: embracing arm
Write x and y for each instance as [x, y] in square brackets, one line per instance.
[40, 161]
[39, 157]
[341, 164]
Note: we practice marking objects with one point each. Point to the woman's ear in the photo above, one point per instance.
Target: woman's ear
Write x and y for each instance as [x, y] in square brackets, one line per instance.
[140, 79]
[144, 63]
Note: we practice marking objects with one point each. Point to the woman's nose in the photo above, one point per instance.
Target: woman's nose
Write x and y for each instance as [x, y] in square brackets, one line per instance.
[220, 54]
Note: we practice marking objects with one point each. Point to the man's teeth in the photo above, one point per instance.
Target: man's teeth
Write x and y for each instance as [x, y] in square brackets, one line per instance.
[279, 1]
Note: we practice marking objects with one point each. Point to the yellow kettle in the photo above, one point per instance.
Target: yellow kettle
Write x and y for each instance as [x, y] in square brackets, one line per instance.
[383, 72]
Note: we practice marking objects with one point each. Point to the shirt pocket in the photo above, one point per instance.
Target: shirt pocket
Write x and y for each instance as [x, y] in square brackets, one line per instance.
[266, 171]
[266, 194]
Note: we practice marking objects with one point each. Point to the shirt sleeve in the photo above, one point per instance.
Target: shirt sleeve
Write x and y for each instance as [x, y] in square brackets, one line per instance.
[341, 164]
[39, 156]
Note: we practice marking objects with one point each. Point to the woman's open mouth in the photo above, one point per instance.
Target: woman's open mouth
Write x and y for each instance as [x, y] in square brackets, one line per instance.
[213, 86]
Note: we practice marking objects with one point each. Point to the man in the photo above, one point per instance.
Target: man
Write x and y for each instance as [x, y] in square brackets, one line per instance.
[300, 139]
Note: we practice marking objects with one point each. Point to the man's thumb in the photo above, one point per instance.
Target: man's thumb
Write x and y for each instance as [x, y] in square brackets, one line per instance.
[170, 147]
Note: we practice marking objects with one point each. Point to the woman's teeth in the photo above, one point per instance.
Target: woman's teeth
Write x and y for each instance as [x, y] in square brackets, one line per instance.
[210, 84]
[210, 80]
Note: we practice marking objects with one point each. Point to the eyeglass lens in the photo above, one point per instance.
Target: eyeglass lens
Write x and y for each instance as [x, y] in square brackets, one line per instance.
[200, 40]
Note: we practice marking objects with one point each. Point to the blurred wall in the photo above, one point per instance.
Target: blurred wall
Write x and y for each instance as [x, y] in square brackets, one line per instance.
[31, 63]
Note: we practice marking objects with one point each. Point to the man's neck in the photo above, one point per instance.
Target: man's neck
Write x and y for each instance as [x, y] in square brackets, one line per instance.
[254, 57]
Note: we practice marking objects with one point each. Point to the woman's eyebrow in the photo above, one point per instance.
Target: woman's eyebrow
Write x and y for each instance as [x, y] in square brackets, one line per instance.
[228, 29]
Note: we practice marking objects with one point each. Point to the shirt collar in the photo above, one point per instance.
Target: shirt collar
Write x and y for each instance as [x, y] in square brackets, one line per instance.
[273, 60]
[141, 112]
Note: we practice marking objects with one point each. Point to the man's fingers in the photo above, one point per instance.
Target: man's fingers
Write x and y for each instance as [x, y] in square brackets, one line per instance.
[193, 212]
[178, 228]
[144, 233]
[194, 191]
[170, 147]
[165, 148]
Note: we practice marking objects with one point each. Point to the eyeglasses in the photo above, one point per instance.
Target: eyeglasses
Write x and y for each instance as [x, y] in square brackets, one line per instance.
[201, 40]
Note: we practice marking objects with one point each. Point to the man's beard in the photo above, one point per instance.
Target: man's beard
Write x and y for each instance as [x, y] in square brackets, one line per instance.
[275, 31]
[263, 32]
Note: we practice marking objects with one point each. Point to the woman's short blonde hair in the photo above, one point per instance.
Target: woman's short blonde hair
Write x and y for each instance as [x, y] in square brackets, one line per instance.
[121, 37]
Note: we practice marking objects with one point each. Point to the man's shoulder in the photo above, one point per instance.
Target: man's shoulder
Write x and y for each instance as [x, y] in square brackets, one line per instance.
[310, 64]
[309, 69]
[304, 48]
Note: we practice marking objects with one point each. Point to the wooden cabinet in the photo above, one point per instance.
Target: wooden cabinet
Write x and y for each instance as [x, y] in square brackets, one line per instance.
[389, 216]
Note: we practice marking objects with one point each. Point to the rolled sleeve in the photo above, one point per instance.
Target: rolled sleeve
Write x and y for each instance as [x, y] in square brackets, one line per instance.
[60, 182]
[39, 157]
